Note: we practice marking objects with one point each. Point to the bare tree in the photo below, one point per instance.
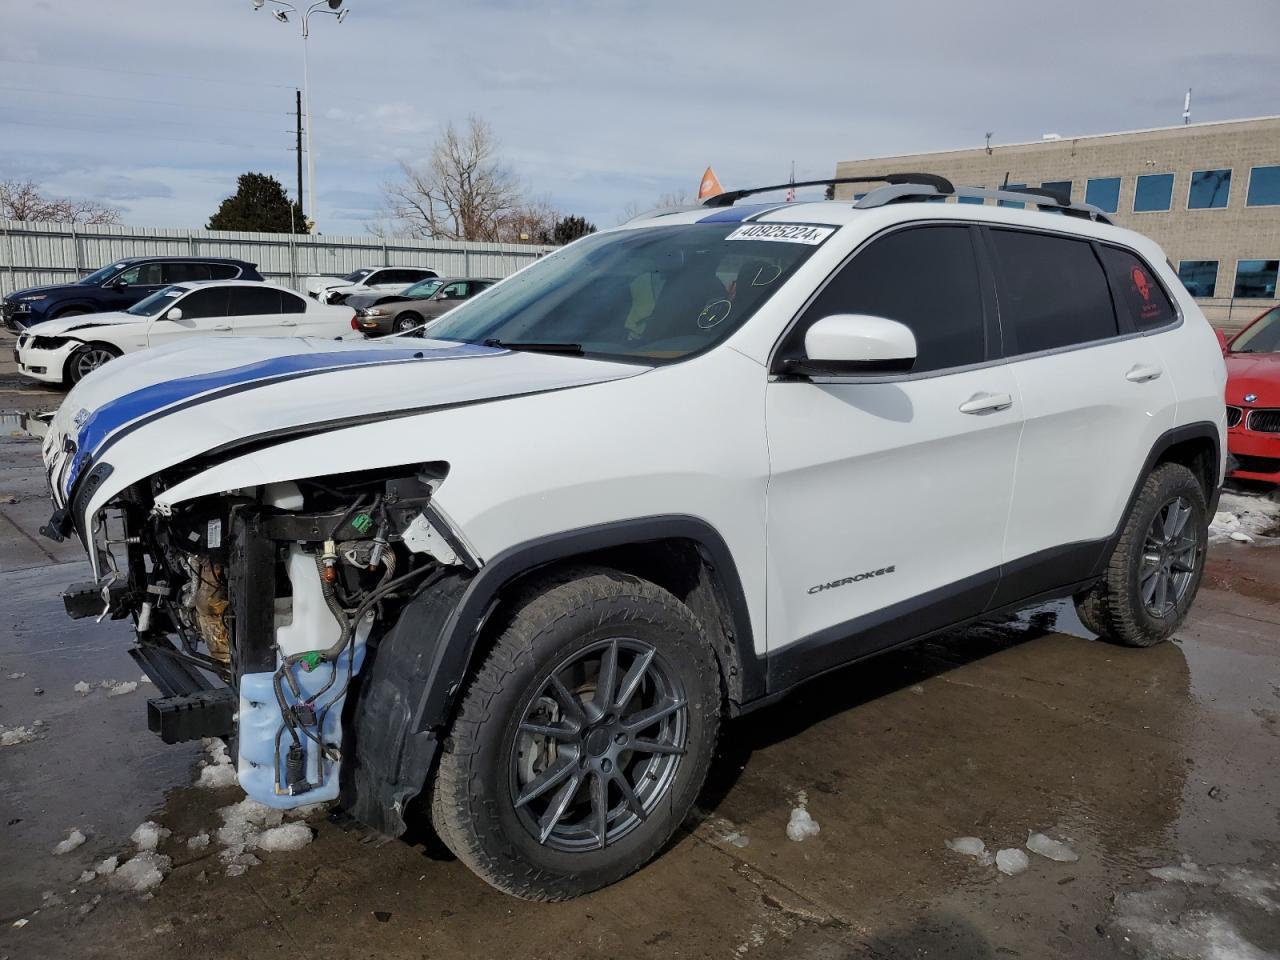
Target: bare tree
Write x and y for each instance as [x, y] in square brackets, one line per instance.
[462, 192]
[533, 221]
[22, 200]
[672, 198]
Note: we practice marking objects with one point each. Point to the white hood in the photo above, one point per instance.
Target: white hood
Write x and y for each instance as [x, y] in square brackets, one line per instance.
[167, 405]
[73, 326]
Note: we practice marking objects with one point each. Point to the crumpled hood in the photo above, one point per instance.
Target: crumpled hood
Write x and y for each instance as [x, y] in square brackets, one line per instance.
[359, 301]
[73, 326]
[1253, 373]
[316, 284]
[194, 398]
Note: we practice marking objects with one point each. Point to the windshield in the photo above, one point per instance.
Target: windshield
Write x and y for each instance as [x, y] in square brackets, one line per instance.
[100, 276]
[355, 276]
[1262, 337]
[649, 294]
[423, 288]
[157, 303]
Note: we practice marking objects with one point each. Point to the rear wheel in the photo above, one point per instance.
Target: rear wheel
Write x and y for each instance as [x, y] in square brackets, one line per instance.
[88, 358]
[1155, 570]
[583, 740]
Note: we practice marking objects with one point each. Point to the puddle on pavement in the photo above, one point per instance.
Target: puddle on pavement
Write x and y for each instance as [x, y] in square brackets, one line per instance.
[24, 424]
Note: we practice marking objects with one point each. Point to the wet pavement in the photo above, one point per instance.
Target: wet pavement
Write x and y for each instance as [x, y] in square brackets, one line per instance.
[1164, 760]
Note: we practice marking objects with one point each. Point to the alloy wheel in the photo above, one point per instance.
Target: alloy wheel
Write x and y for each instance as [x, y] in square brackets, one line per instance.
[91, 359]
[598, 745]
[1170, 555]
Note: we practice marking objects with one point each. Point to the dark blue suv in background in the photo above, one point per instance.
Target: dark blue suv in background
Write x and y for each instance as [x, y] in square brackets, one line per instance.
[117, 286]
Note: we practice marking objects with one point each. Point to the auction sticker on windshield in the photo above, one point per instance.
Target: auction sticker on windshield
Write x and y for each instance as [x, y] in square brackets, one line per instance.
[783, 232]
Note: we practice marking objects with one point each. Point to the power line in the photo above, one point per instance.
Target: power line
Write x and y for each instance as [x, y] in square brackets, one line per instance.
[163, 103]
[144, 73]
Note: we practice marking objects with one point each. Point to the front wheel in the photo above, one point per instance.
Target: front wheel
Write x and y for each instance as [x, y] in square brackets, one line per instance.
[407, 321]
[1155, 570]
[583, 740]
[88, 358]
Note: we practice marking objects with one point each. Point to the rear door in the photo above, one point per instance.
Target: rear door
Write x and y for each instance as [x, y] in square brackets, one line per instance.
[1095, 398]
[255, 312]
[888, 494]
[204, 313]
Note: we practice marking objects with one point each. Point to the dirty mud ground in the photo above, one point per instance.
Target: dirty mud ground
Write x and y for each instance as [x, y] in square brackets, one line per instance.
[1137, 759]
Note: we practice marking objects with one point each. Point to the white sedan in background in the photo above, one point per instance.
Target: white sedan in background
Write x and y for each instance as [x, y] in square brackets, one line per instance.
[365, 280]
[65, 350]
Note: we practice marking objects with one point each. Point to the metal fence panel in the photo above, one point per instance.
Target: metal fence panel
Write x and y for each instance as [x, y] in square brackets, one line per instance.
[32, 254]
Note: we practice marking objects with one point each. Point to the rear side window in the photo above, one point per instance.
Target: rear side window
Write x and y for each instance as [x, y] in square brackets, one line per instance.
[1135, 284]
[924, 277]
[248, 301]
[223, 271]
[292, 304]
[204, 303]
[182, 272]
[1054, 293]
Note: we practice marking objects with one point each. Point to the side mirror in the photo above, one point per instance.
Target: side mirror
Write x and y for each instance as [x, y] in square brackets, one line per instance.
[1222, 340]
[174, 314]
[119, 283]
[856, 343]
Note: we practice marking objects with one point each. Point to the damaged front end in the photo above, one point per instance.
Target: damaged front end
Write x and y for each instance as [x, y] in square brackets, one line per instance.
[257, 611]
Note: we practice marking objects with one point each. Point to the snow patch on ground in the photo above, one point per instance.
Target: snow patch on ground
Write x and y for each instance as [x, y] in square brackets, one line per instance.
[1161, 924]
[218, 770]
[971, 847]
[108, 866]
[802, 826]
[121, 688]
[74, 839]
[142, 873]
[1246, 518]
[1050, 848]
[1012, 862]
[288, 836]
[83, 688]
[12, 736]
[148, 835]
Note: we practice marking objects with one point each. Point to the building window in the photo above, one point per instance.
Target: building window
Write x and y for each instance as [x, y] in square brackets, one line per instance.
[1058, 186]
[1200, 277]
[1012, 203]
[1210, 190]
[1256, 279]
[1264, 187]
[1153, 192]
[977, 200]
[1103, 193]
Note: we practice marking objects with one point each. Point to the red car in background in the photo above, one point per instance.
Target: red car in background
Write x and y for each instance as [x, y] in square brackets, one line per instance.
[1253, 399]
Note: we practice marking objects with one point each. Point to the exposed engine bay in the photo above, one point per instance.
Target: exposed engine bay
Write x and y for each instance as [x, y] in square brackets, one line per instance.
[275, 592]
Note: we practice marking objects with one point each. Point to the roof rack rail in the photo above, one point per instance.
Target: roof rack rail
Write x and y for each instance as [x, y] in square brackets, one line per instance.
[1042, 197]
[940, 185]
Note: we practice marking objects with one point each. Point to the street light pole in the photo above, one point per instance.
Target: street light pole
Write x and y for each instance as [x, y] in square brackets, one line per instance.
[282, 11]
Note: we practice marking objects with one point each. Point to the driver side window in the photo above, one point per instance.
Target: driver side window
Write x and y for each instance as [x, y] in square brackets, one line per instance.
[144, 274]
[924, 277]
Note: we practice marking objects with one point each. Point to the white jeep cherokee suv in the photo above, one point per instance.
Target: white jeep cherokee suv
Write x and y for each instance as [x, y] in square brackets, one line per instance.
[512, 576]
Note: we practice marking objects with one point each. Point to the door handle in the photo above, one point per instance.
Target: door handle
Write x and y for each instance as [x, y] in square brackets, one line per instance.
[222, 327]
[288, 323]
[987, 403]
[1142, 373]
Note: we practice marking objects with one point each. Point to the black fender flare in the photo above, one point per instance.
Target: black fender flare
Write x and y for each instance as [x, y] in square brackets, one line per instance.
[1199, 430]
[456, 646]
[403, 701]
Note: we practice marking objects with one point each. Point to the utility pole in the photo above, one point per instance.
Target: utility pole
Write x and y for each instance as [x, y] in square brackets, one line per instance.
[298, 94]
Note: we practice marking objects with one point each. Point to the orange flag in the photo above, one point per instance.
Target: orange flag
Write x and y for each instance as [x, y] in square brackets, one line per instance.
[710, 185]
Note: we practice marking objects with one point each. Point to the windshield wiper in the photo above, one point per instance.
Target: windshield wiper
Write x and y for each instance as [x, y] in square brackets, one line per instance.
[536, 347]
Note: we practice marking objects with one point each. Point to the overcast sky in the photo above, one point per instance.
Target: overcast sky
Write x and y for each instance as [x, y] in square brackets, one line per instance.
[156, 105]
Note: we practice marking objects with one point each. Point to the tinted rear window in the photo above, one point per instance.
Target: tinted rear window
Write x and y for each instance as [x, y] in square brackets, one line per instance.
[250, 301]
[1054, 293]
[1135, 284]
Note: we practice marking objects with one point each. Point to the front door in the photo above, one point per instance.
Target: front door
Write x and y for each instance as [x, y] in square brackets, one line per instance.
[204, 313]
[888, 495]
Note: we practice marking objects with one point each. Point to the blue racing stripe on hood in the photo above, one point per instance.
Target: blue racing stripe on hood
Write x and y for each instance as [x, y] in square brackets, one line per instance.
[155, 398]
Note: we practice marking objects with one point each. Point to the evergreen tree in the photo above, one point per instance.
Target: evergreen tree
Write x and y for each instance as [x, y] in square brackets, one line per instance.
[568, 229]
[261, 205]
